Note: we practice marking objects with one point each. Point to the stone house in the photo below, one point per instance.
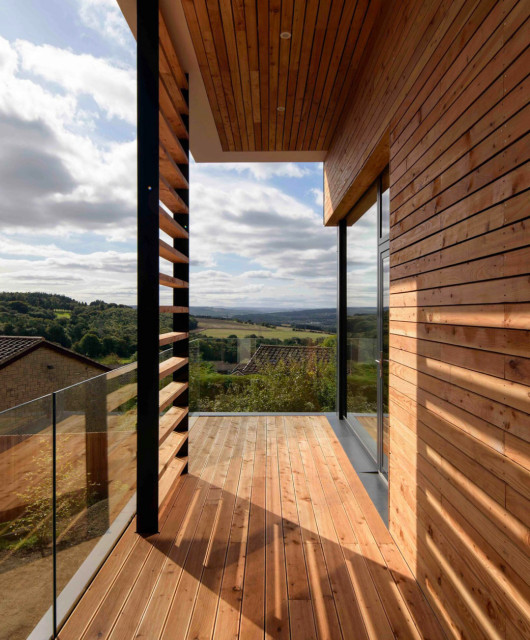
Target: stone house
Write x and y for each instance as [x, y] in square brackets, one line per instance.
[31, 367]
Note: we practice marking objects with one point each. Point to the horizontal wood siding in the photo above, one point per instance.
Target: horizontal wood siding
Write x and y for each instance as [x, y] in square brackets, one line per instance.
[448, 83]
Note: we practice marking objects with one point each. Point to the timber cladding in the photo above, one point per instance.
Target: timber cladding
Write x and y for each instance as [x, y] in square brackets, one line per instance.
[448, 83]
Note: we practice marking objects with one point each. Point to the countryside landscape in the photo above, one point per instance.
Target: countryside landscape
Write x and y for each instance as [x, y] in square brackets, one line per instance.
[222, 342]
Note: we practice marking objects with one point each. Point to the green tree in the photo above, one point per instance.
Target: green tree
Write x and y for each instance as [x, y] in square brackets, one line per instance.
[9, 329]
[57, 333]
[18, 305]
[90, 345]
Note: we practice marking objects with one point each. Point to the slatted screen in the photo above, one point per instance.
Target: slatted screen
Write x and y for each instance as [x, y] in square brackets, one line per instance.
[173, 222]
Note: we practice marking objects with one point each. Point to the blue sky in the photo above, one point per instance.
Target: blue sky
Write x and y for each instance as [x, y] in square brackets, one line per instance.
[68, 175]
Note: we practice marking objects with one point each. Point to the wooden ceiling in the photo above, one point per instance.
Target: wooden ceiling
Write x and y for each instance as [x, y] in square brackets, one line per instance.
[274, 93]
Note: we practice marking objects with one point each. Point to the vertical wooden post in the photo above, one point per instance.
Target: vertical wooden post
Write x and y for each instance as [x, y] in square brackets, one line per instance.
[148, 292]
[97, 458]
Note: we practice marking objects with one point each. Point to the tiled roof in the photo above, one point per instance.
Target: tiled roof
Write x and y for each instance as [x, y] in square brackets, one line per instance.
[268, 355]
[15, 346]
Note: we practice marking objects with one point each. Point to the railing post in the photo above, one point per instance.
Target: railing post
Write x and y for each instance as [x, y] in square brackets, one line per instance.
[97, 448]
[342, 321]
[148, 268]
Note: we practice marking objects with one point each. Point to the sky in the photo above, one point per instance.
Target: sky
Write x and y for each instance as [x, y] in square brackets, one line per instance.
[68, 180]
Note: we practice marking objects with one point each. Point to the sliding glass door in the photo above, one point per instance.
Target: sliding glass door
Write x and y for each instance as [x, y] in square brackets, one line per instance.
[367, 302]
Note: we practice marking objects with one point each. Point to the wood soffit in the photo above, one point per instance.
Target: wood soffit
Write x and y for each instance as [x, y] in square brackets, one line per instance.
[277, 73]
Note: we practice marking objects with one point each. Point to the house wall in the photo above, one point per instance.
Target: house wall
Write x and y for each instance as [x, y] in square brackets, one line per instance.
[29, 377]
[443, 97]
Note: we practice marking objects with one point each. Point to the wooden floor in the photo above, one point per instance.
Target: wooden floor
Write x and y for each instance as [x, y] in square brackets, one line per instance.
[270, 535]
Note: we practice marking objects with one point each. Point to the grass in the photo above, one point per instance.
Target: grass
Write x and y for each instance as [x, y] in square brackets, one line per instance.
[220, 328]
[62, 313]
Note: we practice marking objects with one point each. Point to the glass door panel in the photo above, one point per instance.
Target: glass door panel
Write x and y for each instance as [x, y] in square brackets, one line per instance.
[362, 323]
[383, 360]
[368, 302]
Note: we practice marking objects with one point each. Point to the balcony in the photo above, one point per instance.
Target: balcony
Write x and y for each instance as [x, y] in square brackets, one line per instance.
[157, 524]
[270, 534]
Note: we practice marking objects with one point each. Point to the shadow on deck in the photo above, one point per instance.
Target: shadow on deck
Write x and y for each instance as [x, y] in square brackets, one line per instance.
[271, 534]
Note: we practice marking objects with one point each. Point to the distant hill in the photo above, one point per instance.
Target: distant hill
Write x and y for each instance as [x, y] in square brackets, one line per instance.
[108, 331]
[100, 329]
[315, 319]
[228, 312]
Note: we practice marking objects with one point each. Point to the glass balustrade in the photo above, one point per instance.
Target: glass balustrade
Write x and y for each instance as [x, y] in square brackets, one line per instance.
[67, 491]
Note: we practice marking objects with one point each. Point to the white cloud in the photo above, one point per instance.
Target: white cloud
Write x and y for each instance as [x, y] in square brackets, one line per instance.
[112, 88]
[319, 196]
[257, 170]
[105, 17]
[268, 228]
[64, 179]
[29, 267]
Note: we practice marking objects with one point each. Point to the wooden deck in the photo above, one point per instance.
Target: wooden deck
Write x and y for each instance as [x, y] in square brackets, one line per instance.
[270, 535]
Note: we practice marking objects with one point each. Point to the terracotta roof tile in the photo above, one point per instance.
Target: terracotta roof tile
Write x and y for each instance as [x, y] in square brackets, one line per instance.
[268, 355]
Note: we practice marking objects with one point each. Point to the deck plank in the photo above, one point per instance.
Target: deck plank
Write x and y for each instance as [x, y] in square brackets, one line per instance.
[206, 602]
[270, 535]
[227, 622]
[253, 594]
[276, 605]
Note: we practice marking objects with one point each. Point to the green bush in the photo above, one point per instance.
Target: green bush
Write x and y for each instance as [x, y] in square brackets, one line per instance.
[284, 387]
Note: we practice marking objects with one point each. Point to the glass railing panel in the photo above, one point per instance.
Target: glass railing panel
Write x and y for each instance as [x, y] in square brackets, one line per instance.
[26, 519]
[255, 375]
[96, 475]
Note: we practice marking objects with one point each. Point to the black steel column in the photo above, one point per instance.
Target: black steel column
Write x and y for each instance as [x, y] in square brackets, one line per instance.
[181, 297]
[148, 269]
[342, 319]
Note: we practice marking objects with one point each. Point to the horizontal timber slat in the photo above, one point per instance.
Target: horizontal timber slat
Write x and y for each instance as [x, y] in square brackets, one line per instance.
[170, 281]
[172, 336]
[169, 89]
[169, 109]
[170, 393]
[173, 309]
[170, 141]
[170, 421]
[170, 197]
[168, 225]
[169, 49]
[171, 365]
[169, 479]
[170, 170]
[169, 450]
[169, 253]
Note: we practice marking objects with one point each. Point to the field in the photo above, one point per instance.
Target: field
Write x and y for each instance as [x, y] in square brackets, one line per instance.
[221, 328]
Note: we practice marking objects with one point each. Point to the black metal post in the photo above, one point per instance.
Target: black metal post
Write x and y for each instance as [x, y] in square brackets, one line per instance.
[181, 297]
[148, 268]
[342, 319]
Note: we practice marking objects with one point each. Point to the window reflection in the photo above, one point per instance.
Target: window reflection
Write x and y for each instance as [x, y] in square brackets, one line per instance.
[362, 318]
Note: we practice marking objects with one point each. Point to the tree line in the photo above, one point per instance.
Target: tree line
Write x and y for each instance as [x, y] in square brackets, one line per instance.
[97, 329]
